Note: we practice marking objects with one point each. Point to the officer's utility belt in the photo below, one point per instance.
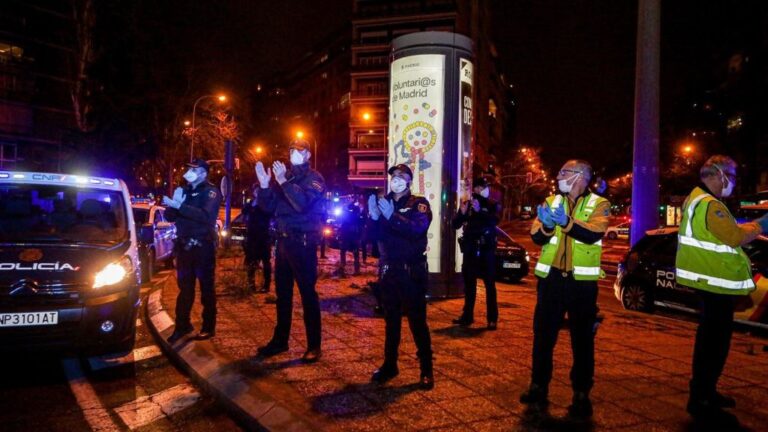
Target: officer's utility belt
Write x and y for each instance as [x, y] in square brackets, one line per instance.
[403, 266]
[187, 243]
[476, 243]
[301, 236]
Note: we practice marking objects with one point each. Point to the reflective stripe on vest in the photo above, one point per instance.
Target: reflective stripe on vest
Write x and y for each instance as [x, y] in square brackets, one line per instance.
[719, 248]
[540, 266]
[715, 281]
[586, 271]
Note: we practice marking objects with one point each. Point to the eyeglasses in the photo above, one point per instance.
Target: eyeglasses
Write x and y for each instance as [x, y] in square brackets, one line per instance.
[566, 171]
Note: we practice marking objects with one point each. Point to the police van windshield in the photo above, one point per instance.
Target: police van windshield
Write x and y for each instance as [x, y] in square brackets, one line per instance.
[61, 214]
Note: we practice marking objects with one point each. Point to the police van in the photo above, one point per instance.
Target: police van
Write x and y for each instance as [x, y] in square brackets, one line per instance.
[646, 279]
[68, 263]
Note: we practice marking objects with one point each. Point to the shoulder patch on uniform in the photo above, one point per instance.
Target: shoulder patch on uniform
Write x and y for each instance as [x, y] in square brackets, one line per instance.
[316, 185]
[719, 213]
[606, 212]
[422, 207]
[211, 194]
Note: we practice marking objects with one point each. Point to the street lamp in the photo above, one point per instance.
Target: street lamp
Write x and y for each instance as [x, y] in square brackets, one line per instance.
[221, 98]
[300, 135]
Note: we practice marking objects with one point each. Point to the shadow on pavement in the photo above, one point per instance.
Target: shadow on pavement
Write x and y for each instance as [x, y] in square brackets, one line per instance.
[457, 331]
[350, 402]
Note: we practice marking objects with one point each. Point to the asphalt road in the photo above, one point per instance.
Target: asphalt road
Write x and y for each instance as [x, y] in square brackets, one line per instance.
[141, 391]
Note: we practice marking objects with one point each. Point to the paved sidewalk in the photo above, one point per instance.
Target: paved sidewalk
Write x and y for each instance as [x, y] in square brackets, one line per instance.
[642, 365]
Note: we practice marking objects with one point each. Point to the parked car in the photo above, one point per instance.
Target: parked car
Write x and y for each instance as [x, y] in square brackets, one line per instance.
[618, 231]
[151, 219]
[511, 258]
[69, 260]
[646, 278]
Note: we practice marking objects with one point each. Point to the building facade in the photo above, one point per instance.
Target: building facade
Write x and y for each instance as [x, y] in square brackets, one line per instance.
[37, 46]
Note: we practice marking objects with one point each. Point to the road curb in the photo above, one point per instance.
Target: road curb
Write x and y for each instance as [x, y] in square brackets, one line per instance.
[252, 407]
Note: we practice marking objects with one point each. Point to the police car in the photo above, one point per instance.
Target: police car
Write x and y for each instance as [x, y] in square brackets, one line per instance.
[68, 263]
[511, 258]
[151, 223]
[646, 278]
[618, 231]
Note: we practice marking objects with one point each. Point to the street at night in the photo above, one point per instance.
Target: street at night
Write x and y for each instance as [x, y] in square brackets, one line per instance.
[383, 215]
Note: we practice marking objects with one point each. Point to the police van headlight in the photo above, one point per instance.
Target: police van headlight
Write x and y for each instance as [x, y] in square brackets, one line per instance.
[113, 273]
[224, 233]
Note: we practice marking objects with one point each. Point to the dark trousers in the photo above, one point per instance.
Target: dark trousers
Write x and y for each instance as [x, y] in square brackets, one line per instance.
[255, 255]
[403, 290]
[197, 263]
[296, 259]
[353, 247]
[556, 295]
[713, 342]
[477, 262]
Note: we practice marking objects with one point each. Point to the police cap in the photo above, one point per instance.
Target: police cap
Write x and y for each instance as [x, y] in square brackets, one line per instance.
[405, 169]
[199, 163]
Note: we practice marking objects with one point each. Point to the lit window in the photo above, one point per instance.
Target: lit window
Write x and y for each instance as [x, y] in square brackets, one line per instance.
[492, 109]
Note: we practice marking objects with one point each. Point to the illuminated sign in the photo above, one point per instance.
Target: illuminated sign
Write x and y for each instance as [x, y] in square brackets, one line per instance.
[416, 133]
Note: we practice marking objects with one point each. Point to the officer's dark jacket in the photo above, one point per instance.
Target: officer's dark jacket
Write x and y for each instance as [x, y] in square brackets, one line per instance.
[256, 223]
[481, 223]
[196, 218]
[297, 204]
[404, 235]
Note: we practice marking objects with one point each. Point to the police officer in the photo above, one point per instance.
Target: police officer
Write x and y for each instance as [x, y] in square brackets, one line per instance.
[257, 244]
[710, 260]
[479, 217]
[349, 238]
[404, 220]
[295, 197]
[195, 208]
[569, 228]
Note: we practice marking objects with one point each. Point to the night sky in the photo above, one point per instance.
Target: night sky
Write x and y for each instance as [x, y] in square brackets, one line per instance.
[571, 63]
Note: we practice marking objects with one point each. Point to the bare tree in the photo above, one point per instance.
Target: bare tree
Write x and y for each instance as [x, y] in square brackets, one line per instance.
[525, 180]
[84, 19]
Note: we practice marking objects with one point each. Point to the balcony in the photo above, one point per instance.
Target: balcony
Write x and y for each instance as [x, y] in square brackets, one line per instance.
[368, 167]
[370, 93]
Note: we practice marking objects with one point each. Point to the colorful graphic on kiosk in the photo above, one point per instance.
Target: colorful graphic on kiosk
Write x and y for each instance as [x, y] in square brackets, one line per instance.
[416, 132]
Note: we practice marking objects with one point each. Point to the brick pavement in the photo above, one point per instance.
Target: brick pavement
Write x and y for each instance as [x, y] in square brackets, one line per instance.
[642, 364]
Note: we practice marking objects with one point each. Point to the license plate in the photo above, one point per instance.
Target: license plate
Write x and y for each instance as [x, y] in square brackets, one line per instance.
[25, 319]
[511, 265]
[238, 238]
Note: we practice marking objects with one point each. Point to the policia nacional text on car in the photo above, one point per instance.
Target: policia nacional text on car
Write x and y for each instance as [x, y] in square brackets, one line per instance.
[194, 210]
[295, 197]
[710, 260]
[403, 220]
[479, 217]
[569, 227]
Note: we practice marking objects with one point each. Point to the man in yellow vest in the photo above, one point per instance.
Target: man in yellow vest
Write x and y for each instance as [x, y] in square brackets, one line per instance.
[711, 261]
[569, 227]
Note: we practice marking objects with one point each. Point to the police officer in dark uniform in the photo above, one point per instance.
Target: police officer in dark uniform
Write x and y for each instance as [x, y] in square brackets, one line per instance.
[404, 220]
[195, 208]
[349, 238]
[295, 197]
[258, 243]
[479, 217]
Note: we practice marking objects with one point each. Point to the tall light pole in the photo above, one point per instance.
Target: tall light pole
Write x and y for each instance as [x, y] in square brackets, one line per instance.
[645, 181]
[221, 98]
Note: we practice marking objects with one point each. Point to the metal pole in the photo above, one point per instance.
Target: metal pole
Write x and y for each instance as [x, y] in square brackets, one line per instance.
[645, 179]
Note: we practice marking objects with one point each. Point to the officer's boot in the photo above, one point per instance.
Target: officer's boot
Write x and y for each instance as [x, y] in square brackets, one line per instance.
[581, 406]
[535, 395]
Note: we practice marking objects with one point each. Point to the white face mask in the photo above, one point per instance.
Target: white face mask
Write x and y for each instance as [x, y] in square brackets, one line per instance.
[485, 193]
[397, 185]
[727, 191]
[565, 185]
[296, 157]
[190, 176]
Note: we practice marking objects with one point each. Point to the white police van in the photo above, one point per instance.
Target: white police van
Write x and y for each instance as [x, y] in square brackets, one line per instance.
[68, 263]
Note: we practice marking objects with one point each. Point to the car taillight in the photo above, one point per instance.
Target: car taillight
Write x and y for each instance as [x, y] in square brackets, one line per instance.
[632, 261]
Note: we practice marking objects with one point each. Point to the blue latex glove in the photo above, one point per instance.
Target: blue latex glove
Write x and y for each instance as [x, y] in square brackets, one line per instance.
[373, 209]
[559, 217]
[545, 216]
[168, 202]
[386, 207]
[763, 222]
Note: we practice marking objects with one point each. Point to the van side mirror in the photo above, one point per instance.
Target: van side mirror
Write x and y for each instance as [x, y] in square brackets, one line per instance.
[147, 234]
